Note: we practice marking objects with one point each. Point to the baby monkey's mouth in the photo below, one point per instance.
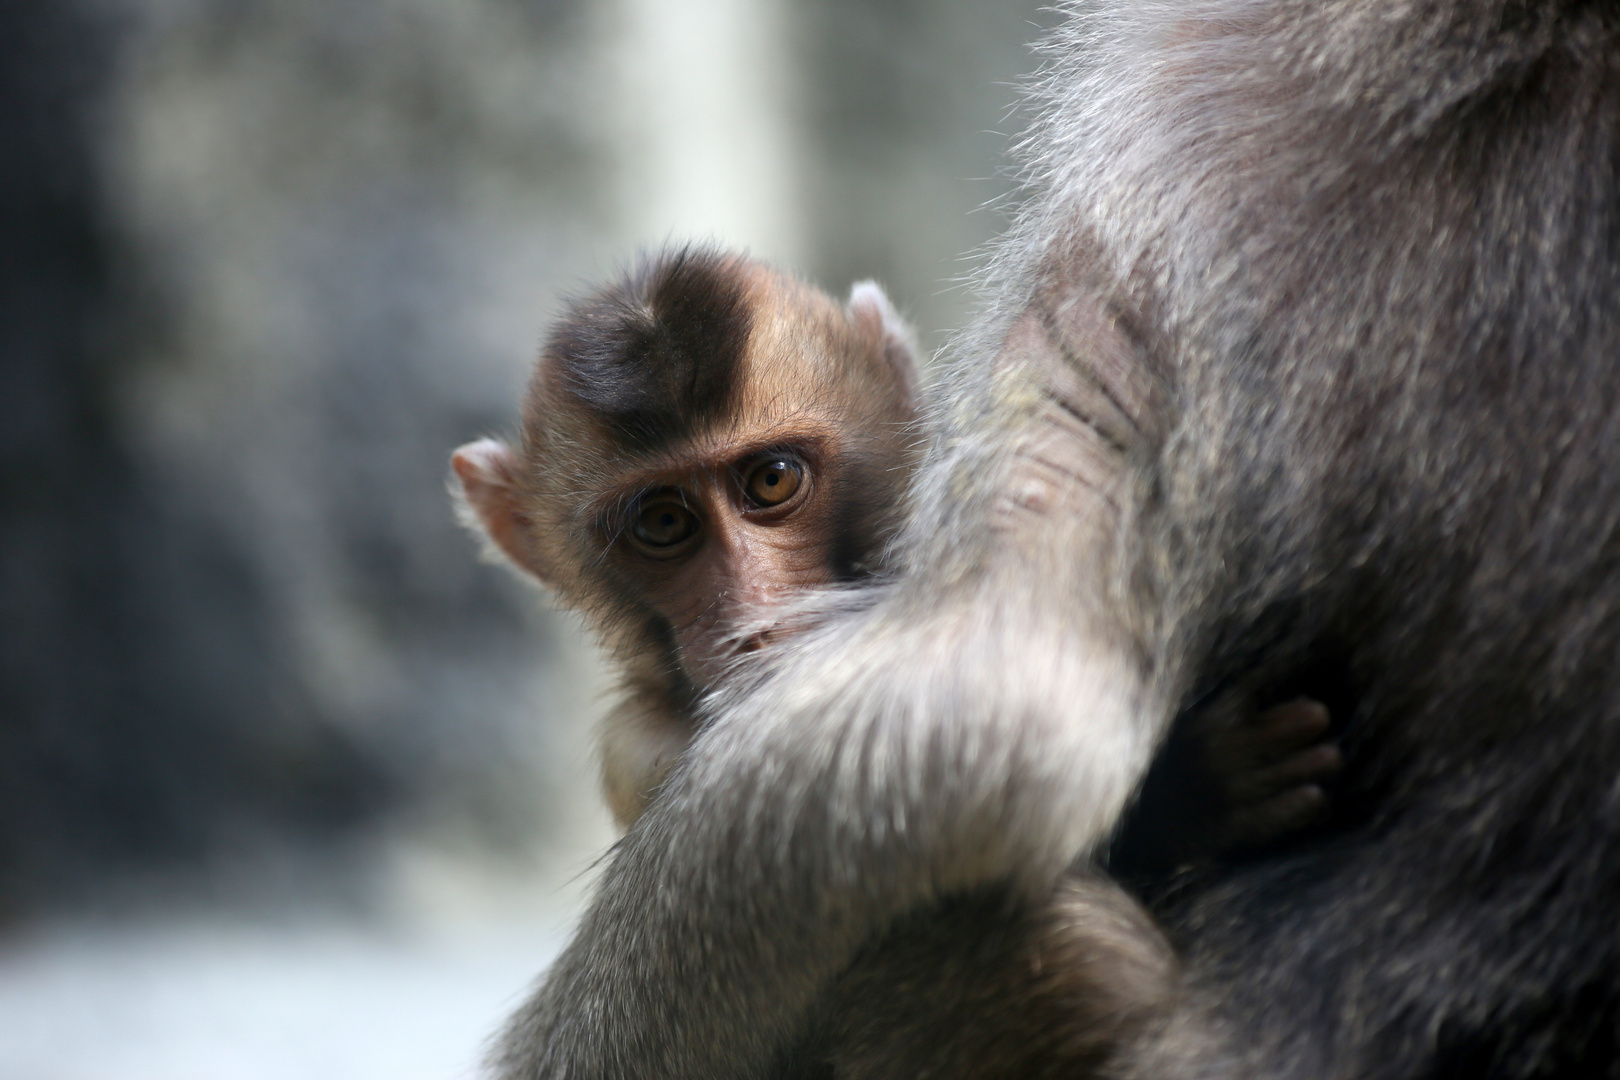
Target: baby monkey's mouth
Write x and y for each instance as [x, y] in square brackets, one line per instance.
[758, 640]
[729, 650]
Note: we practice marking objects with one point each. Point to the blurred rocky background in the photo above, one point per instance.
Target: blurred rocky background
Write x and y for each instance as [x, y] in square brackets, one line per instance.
[267, 725]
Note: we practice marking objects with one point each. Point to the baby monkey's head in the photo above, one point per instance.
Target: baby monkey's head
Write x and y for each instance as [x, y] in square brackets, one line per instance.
[702, 440]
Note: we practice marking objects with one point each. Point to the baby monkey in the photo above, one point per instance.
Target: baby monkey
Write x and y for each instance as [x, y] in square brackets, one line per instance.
[702, 441]
[708, 438]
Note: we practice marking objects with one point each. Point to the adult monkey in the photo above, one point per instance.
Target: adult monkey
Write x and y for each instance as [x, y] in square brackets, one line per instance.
[1302, 358]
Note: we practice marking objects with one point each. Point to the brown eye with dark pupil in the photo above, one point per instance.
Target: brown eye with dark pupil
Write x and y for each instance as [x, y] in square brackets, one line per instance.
[773, 482]
[664, 524]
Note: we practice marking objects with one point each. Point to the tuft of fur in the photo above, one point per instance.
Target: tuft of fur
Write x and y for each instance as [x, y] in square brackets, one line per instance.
[657, 354]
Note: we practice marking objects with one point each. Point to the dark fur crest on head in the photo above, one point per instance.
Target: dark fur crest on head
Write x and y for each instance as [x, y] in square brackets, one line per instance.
[656, 355]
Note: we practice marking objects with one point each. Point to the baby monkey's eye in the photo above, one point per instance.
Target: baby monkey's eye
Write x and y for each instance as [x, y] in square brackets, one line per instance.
[773, 481]
[663, 524]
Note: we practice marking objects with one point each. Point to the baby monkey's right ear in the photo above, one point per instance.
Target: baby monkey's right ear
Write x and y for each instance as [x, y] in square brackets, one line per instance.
[491, 475]
[869, 306]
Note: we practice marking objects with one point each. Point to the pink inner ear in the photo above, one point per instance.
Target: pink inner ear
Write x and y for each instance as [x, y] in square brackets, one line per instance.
[488, 462]
[491, 481]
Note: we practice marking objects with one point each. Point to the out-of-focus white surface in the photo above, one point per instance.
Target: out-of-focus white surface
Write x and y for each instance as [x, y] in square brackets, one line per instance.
[412, 985]
[702, 100]
[238, 1001]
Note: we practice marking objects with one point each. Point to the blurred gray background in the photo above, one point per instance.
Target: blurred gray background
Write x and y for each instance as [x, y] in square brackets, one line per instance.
[291, 784]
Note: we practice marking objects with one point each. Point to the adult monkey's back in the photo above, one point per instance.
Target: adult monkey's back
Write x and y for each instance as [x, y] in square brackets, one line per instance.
[1304, 362]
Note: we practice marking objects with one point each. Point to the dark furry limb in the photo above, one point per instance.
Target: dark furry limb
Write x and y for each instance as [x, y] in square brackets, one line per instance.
[981, 989]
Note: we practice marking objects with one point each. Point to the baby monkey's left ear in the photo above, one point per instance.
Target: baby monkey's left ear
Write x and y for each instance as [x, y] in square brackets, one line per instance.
[491, 476]
[870, 309]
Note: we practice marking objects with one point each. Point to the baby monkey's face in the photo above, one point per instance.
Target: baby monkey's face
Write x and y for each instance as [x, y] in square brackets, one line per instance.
[792, 480]
[718, 535]
[702, 441]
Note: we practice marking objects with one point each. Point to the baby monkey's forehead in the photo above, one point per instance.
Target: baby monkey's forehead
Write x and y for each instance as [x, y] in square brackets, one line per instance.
[705, 356]
[803, 352]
